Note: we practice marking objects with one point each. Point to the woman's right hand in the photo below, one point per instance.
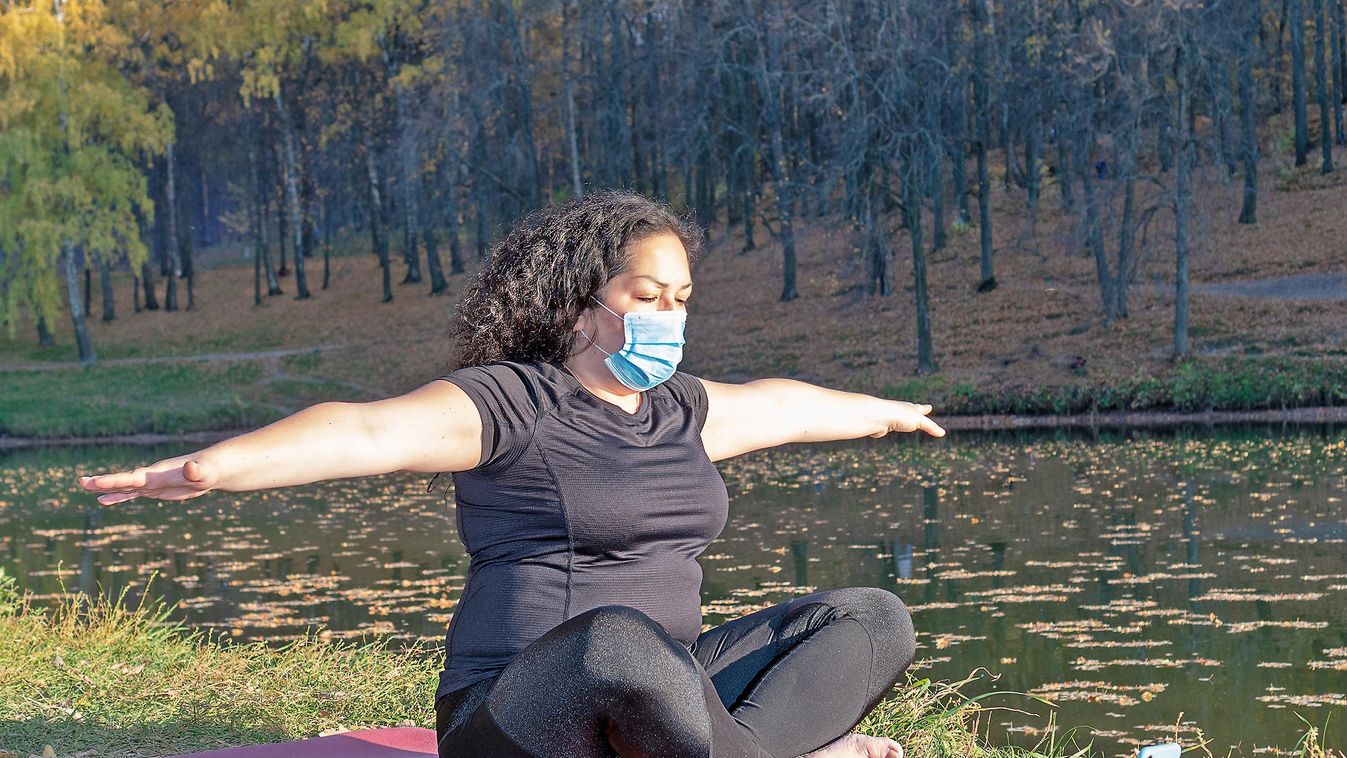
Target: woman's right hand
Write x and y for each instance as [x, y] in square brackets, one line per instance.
[180, 478]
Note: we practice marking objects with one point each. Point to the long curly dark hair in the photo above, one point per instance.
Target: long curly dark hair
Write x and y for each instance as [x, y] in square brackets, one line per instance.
[523, 304]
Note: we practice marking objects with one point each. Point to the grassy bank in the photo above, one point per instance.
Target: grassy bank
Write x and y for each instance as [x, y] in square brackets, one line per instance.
[110, 680]
[1210, 384]
[174, 398]
[122, 681]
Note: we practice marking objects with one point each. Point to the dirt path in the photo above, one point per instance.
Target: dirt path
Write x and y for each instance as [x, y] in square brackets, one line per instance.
[1300, 287]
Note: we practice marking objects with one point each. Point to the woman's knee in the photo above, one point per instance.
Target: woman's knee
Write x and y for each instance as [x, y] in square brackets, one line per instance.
[885, 618]
[627, 650]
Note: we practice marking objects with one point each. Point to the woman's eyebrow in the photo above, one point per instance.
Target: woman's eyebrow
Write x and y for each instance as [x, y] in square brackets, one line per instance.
[658, 282]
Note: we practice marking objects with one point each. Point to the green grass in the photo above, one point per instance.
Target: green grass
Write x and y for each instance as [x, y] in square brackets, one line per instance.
[1223, 384]
[105, 678]
[172, 398]
[117, 680]
[168, 398]
[124, 681]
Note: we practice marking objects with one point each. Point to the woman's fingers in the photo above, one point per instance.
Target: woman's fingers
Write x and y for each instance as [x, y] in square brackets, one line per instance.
[113, 498]
[913, 417]
[176, 493]
[119, 481]
[932, 428]
[171, 479]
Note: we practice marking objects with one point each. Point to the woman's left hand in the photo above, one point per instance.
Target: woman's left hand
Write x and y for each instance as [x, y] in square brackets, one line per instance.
[900, 416]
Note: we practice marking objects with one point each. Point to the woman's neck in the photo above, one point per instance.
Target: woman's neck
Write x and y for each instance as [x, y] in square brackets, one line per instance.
[595, 377]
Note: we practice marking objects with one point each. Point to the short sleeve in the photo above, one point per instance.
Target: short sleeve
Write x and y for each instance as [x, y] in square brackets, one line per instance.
[691, 393]
[508, 405]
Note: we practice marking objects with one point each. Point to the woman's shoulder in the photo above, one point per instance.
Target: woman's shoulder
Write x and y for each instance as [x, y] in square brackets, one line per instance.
[687, 389]
[506, 371]
[532, 384]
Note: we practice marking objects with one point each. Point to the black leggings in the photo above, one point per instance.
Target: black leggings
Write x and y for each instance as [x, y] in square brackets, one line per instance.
[777, 683]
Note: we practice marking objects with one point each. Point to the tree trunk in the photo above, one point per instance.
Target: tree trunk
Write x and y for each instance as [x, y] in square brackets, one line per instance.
[411, 221]
[523, 91]
[1032, 137]
[747, 222]
[481, 211]
[1181, 197]
[438, 283]
[1064, 172]
[1093, 228]
[981, 42]
[1224, 108]
[1302, 118]
[171, 251]
[85, 345]
[451, 223]
[876, 246]
[327, 241]
[1338, 67]
[1127, 225]
[109, 297]
[572, 140]
[1248, 104]
[1321, 33]
[44, 335]
[1279, 58]
[88, 290]
[912, 209]
[257, 269]
[770, 61]
[293, 213]
[308, 236]
[282, 228]
[376, 227]
[188, 271]
[147, 281]
[938, 202]
[261, 252]
[959, 151]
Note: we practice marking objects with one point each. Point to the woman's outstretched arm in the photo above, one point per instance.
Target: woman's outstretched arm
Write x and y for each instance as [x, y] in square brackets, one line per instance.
[432, 429]
[770, 412]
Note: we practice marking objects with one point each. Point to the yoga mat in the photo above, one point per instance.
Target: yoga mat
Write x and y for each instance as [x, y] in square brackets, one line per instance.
[398, 742]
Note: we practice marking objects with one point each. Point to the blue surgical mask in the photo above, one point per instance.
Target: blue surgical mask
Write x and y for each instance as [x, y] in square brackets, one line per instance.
[653, 347]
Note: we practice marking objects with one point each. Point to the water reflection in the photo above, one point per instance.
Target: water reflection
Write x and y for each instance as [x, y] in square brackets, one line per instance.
[1129, 577]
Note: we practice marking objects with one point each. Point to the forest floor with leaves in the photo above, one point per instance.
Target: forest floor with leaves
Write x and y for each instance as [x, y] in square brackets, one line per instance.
[1268, 324]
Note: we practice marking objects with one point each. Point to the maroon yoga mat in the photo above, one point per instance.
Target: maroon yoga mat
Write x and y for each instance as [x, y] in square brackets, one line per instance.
[398, 742]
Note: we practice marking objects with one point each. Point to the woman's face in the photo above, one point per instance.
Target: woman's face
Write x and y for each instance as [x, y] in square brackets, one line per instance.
[658, 279]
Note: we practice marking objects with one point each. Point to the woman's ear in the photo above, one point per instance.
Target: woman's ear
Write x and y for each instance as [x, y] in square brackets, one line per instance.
[586, 315]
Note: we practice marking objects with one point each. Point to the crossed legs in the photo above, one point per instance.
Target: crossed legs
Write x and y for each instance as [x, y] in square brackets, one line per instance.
[774, 684]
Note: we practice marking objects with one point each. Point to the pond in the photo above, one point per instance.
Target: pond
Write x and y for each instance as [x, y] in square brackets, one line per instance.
[1143, 582]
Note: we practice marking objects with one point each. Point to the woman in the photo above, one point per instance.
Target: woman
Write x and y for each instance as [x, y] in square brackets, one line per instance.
[585, 487]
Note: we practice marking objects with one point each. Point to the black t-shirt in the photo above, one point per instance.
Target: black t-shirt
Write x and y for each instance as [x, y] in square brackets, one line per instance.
[577, 504]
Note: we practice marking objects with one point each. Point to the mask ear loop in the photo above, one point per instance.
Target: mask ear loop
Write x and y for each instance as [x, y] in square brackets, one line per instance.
[595, 344]
[593, 299]
[606, 308]
[599, 302]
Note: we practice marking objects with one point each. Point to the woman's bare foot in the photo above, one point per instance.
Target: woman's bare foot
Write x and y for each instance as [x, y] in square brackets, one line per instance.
[859, 746]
